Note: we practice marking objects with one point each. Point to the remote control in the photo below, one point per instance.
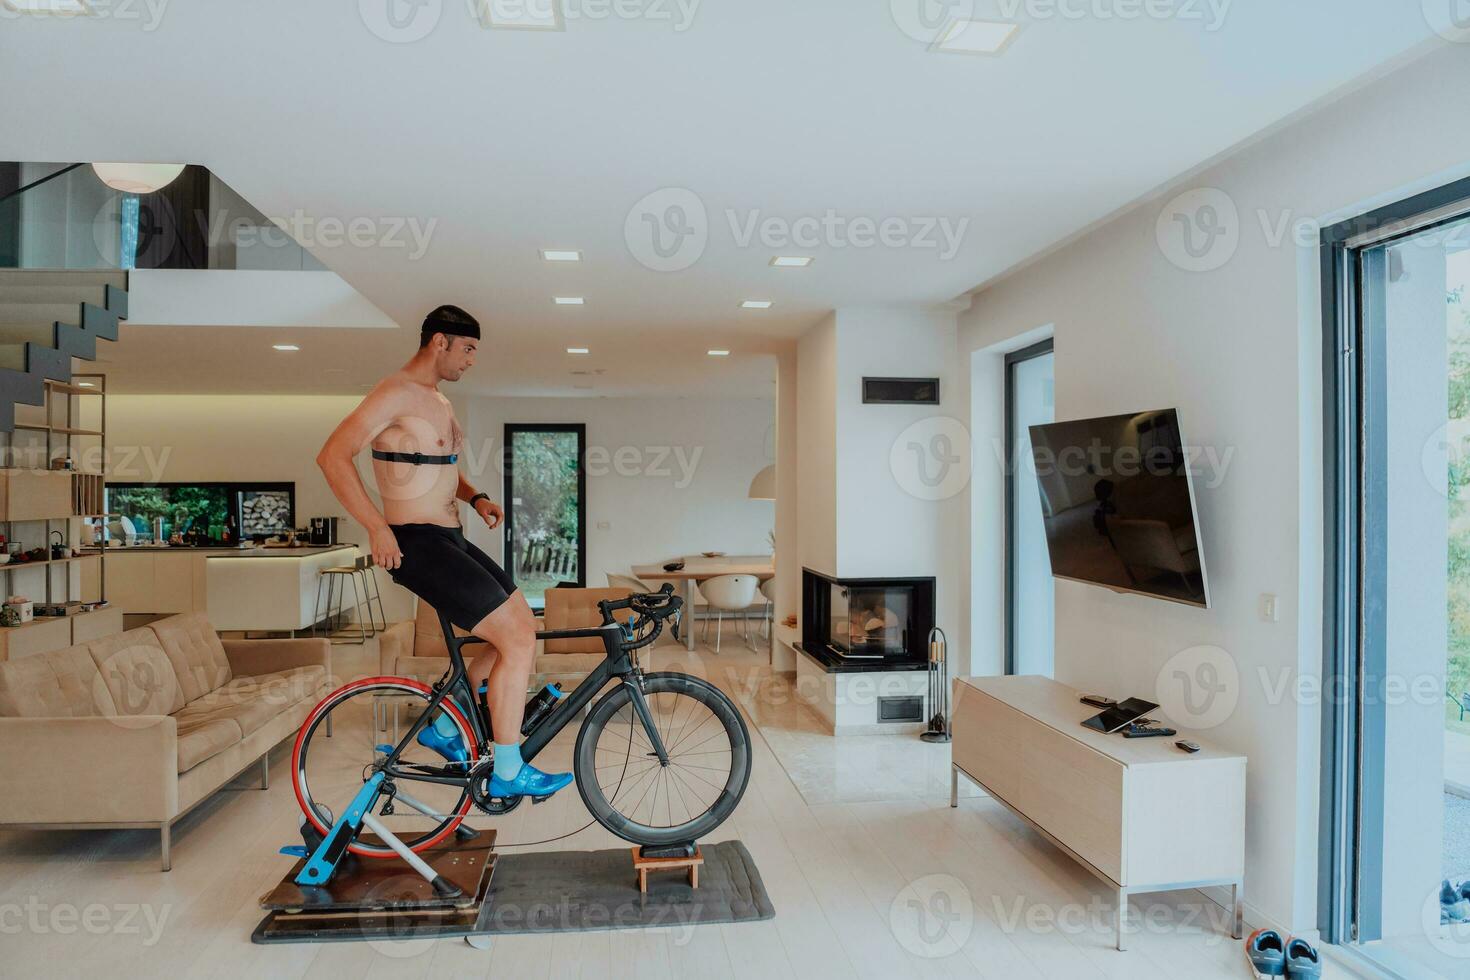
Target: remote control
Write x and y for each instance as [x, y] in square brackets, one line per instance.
[1138, 731]
[1097, 701]
[1187, 745]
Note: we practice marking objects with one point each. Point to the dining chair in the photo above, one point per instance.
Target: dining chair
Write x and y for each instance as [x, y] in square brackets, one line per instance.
[768, 589]
[729, 593]
[632, 584]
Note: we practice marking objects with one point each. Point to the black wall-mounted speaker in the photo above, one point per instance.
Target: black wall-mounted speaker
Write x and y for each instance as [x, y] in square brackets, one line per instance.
[900, 391]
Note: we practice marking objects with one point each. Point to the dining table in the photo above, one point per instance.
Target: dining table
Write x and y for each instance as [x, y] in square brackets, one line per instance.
[697, 568]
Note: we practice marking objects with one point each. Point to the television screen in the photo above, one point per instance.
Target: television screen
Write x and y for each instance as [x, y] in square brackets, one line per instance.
[1118, 505]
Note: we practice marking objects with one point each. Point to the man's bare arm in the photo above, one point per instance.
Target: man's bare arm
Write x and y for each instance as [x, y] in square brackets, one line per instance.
[487, 509]
[337, 461]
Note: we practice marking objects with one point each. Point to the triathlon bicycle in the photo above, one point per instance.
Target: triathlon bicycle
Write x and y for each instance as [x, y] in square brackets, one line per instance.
[661, 759]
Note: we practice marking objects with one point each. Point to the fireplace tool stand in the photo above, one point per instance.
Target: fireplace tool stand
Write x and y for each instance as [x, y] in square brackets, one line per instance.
[938, 730]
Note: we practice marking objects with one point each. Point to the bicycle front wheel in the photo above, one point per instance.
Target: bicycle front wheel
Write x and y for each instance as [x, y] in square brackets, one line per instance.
[638, 798]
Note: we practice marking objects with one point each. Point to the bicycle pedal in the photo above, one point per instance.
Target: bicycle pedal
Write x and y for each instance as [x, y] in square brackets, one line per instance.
[539, 799]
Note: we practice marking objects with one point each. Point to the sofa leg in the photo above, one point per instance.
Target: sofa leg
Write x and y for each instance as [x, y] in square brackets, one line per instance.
[265, 771]
[163, 836]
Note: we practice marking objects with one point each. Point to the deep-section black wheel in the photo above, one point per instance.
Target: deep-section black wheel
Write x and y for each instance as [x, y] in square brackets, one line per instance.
[631, 793]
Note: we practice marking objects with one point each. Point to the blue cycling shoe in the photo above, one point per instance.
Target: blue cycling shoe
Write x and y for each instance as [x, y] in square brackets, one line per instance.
[449, 745]
[530, 781]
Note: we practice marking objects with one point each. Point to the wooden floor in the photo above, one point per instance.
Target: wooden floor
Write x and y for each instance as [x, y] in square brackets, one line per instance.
[901, 887]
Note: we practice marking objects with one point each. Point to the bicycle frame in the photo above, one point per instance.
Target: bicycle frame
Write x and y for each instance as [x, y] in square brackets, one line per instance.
[618, 663]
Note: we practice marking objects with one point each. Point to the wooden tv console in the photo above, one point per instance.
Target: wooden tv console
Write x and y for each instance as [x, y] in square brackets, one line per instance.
[1139, 813]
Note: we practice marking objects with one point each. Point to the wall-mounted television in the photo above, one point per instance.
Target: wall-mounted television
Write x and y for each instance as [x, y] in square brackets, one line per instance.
[1117, 502]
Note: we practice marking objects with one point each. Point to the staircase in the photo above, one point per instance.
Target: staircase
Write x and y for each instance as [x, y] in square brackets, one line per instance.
[46, 319]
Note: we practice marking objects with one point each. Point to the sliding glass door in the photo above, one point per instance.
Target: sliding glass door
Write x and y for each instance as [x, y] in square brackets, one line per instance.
[545, 507]
[1396, 813]
[1029, 401]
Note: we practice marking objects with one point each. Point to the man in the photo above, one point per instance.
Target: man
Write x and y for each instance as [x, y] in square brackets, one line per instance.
[417, 537]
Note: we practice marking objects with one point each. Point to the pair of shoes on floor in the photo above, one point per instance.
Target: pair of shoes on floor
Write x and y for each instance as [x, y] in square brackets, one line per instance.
[1270, 955]
[1454, 903]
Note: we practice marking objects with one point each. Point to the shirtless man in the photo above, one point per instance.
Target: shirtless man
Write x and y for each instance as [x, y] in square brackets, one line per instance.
[417, 537]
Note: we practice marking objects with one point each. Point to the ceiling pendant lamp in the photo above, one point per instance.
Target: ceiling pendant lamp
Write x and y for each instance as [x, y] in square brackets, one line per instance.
[137, 178]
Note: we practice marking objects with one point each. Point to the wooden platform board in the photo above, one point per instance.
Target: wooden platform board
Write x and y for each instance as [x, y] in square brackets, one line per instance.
[372, 885]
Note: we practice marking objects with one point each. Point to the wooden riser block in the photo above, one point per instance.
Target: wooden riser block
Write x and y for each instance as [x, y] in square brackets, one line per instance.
[643, 866]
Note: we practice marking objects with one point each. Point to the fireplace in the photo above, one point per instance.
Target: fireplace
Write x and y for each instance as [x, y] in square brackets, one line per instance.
[873, 621]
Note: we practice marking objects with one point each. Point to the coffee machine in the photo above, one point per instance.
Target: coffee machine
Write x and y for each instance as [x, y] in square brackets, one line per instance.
[323, 530]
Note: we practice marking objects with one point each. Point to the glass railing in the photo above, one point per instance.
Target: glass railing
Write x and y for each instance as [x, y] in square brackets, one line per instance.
[62, 216]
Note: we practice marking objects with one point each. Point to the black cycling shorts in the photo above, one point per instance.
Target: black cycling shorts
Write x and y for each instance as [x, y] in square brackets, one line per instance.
[445, 570]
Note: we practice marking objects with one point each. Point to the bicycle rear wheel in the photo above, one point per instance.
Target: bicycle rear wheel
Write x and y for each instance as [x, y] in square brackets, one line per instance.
[328, 772]
[631, 793]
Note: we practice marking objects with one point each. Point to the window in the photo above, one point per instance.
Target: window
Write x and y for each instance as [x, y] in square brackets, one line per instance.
[545, 508]
[1396, 822]
[1030, 400]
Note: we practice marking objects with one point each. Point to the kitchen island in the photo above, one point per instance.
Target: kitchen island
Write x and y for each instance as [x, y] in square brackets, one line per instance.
[270, 589]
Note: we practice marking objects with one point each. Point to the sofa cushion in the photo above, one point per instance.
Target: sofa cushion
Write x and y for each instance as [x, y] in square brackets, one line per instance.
[60, 684]
[137, 673]
[194, 649]
[251, 702]
[204, 738]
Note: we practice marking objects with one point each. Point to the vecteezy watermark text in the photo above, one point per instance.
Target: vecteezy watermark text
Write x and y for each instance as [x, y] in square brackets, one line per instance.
[36, 917]
[669, 229]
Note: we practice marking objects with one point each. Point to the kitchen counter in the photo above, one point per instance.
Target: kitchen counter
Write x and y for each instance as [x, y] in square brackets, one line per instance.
[261, 552]
[221, 551]
[277, 590]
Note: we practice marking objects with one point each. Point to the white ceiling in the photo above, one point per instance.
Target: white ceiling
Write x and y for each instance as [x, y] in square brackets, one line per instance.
[509, 141]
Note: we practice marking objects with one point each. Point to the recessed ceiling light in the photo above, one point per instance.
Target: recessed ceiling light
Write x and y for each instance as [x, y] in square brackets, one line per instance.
[975, 37]
[285, 347]
[561, 254]
[719, 353]
[791, 261]
[64, 8]
[85, 384]
[568, 300]
[577, 350]
[756, 304]
[511, 15]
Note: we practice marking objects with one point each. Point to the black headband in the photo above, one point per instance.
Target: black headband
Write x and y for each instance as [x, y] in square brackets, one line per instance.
[451, 321]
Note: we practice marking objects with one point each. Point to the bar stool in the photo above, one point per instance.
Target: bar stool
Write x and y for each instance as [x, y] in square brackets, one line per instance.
[370, 591]
[336, 579]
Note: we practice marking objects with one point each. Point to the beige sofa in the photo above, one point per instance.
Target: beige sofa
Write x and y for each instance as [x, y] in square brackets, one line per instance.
[135, 729]
[416, 648]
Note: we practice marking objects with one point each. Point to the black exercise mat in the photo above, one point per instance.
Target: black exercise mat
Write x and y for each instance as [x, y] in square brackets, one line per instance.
[582, 891]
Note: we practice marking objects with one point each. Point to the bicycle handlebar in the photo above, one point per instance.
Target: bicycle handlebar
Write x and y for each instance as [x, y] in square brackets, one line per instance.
[653, 606]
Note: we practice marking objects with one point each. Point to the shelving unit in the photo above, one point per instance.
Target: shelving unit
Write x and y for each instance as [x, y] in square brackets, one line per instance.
[57, 499]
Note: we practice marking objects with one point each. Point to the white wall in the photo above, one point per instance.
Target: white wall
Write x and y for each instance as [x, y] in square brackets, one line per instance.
[1238, 350]
[788, 569]
[816, 447]
[167, 438]
[668, 476]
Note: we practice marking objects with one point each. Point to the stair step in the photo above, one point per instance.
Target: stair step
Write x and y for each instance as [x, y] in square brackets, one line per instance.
[63, 292]
[27, 314]
[52, 277]
[21, 333]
